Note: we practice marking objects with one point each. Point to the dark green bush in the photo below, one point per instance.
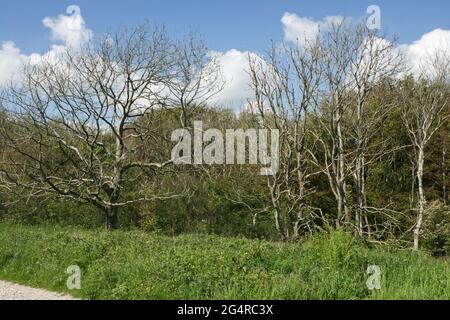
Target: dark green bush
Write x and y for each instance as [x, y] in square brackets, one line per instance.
[436, 230]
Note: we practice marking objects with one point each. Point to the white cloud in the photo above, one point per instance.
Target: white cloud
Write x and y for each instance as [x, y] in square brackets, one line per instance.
[11, 60]
[303, 29]
[70, 29]
[419, 52]
[235, 67]
[299, 30]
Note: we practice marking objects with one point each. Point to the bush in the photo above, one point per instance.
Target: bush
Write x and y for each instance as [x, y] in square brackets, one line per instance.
[52, 212]
[436, 229]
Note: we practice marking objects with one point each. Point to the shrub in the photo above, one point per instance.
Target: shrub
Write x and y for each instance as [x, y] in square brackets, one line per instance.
[436, 229]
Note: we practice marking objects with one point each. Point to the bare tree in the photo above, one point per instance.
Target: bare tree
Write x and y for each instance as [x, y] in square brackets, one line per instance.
[74, 121]
[339, 48]
[285, 86]
[197, 80]
[423, 102]
[375, 60]
[354, 61]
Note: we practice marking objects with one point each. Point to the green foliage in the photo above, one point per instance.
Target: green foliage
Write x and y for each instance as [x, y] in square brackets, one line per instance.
[51, 212]
[138, 265]
[436, 231]
[224, 200]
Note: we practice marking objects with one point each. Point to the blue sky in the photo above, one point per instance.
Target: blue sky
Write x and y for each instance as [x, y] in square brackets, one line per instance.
[242, 25]
[233, 29]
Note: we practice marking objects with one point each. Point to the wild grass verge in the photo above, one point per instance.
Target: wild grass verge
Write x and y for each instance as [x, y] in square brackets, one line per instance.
[139, 265]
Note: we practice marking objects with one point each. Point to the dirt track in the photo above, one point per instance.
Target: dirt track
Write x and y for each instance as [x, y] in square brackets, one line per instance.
[11, 291]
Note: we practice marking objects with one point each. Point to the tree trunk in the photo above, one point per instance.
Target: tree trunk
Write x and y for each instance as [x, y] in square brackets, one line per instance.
[302, 206]
[422, 199]
[360, 166]
[300, 218]
[278, 226]
[339, 170]
[360, 191]
[444, 177]
[111, 218]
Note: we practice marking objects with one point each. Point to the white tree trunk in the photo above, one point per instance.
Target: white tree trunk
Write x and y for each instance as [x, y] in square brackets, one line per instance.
[422, 199]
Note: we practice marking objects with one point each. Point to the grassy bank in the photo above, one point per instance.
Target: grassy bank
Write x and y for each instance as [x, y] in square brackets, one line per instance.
[137, 265]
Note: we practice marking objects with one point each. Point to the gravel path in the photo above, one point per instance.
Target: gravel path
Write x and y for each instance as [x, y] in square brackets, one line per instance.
[11, 291]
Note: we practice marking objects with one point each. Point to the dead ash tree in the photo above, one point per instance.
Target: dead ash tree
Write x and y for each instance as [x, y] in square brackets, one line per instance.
[375, 59]
[354, 61]
[422, 103]
[338, 48]
[286, 85]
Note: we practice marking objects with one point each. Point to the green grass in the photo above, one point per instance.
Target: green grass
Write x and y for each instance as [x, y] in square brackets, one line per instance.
[138, 265]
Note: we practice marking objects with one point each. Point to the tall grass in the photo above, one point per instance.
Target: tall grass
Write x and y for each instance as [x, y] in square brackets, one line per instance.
[138, 265]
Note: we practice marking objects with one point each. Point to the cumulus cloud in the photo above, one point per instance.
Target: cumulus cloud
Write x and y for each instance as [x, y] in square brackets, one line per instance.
[235, 64]
[419, 53]
[302, 29]
[70, 29]
[299, 30]
[11, 60]
[235, 67]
